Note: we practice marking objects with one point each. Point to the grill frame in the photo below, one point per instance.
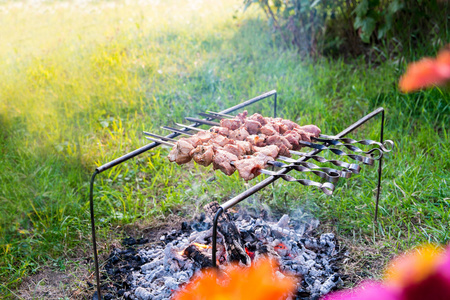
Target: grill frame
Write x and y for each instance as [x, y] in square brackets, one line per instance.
[257, 187]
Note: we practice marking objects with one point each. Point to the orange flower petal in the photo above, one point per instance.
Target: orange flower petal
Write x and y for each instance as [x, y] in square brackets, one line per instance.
[258, 282]
[426, 72]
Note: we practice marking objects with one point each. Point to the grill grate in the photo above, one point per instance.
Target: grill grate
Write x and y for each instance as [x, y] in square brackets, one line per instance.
[330, 143]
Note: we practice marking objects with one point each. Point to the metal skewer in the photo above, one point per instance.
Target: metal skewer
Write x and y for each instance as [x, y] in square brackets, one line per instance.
[365, 160]
[200, 121]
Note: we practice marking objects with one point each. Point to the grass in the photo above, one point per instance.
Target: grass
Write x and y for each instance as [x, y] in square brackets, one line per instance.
[80, 82]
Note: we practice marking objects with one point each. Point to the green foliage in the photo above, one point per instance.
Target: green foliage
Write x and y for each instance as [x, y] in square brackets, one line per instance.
[330, 27]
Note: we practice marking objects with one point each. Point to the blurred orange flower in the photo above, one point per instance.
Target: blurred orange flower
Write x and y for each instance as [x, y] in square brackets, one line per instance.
[427, 72]
[258, 282]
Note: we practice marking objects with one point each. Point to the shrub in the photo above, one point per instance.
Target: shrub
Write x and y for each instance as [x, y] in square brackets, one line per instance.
[353, 27]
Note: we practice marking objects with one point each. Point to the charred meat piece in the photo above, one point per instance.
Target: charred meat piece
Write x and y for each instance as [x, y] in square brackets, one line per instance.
[239, 134]
[259, 118]
[220, 130]
[180, 152]
[271, 150]
[252, 126]
[312, 129]
[203, 154]
[231, 124]
[222, 161]
[268, 130]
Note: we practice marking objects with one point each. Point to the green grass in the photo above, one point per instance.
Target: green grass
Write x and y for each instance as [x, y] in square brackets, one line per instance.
[80, 83]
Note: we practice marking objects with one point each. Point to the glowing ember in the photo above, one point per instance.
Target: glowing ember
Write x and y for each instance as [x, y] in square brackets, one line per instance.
[250, 254]
[201, 246]
[280, 246]
[258, 282]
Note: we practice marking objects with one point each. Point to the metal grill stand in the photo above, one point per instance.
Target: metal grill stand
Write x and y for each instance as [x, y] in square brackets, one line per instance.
[272, 178]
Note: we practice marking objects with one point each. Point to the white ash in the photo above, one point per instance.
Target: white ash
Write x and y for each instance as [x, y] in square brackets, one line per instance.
[165, 269]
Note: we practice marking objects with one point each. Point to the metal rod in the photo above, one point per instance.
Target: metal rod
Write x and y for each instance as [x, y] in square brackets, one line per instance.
[211, 116]
[160, 137]
[94, 241]
[214, 237]
[201, 121]
[380, 170]
[177, 130]
[160, 141]
[219, 114]
[190, 127]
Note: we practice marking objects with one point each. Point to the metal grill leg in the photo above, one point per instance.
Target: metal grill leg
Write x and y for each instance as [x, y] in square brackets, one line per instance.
[380, 169]
[94, 241]
[214, 237]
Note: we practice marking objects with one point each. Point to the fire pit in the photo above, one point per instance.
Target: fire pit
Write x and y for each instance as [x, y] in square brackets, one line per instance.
[159, 269]
[232, 246]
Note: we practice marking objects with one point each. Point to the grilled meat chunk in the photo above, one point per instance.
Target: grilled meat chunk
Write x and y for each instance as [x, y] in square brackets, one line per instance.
[239, 134]
[293, 137]
[180, 152]
[235, 149]
[250, 166]
[259, 118]
[271, 150]
[312, 129]
[246, 146]
[222, 161]
[203, 154]
[220, 130]
[220, 140]
[205, 136]
[278, 140]
[257, 140]
[289, 124]
[268, 130]
[242, 116]
[252, 126]
[231, 124]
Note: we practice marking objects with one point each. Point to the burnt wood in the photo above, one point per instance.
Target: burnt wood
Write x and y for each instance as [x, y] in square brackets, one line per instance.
[232, 238]
[193, 253]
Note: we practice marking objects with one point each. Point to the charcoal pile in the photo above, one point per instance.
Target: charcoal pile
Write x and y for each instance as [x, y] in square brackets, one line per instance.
[157, 271]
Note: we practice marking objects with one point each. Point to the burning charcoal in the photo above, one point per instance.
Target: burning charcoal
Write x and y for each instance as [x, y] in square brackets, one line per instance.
[193, 253]
[232, 238]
